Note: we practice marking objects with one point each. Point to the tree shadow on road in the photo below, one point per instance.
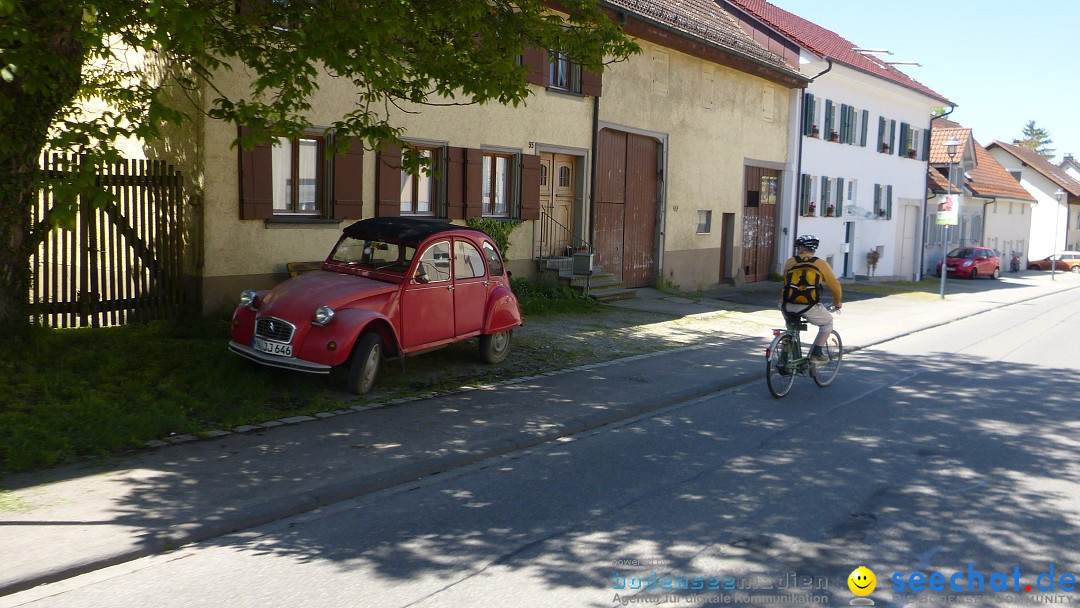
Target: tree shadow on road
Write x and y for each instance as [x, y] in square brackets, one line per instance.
[907, 463]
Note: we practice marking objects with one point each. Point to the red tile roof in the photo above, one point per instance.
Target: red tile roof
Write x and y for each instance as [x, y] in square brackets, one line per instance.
[704, 20]
[1048, 169]
[986, 178]
[828, 44]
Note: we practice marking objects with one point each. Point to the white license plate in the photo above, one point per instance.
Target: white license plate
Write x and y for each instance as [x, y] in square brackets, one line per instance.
[273, 348]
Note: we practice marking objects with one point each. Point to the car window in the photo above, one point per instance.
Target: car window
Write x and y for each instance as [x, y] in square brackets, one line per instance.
[434, 265]
[373, 254]
[963, 252]
[495, 264]
[468, 263]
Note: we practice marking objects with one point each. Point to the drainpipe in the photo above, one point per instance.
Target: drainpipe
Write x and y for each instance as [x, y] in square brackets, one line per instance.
[592, 171]
[982, 237]
[798, 158]
[922, 248]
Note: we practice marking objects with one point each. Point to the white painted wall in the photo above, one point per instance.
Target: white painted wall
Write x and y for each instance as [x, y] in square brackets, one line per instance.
[867, 167]
[1047, 215]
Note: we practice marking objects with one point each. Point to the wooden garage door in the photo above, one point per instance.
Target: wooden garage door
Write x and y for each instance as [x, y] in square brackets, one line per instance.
[627, 194]
[759, 222]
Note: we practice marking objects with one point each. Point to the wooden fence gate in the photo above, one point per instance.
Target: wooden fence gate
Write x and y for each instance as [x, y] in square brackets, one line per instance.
[123, 262]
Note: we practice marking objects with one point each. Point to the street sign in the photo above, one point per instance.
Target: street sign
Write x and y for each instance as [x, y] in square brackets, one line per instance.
[948, 213]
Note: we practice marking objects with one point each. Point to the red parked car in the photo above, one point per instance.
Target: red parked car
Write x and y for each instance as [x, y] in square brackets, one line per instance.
[972, 262]
[390, 287]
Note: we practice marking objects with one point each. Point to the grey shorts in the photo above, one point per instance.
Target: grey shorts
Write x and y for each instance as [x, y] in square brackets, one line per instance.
[817, 315]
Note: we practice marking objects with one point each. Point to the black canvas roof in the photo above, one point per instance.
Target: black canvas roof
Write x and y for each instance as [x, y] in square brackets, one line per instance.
[403, 229]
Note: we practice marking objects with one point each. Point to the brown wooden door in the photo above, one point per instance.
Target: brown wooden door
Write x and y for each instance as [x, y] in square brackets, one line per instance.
[627, 195]
[557, 186]
[759, 222]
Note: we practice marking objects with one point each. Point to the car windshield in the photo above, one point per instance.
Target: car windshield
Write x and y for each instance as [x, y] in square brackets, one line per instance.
[963, 252]
[380, 255]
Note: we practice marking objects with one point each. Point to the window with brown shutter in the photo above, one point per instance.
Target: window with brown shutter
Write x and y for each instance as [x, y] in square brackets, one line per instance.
[348, 182]
[530, 187]
[537, 61]
[256, 181]
[388, 181]
[290, 178]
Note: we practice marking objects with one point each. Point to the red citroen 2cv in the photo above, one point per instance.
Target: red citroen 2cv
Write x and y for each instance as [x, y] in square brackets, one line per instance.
[391, 287]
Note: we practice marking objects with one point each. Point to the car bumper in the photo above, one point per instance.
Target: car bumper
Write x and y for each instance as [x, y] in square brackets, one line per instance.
[961, 272]
[274, 361]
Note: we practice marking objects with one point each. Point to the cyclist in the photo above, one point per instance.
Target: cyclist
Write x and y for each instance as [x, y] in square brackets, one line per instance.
[801, 295]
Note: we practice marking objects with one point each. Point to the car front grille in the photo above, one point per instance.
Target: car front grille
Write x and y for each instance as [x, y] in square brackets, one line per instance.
[277, 330]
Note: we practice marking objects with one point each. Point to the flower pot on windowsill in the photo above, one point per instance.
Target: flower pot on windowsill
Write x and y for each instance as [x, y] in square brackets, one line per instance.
[834, 136]
[911, 153]
[885, 148]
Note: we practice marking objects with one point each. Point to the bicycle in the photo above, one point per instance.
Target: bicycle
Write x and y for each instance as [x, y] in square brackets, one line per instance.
[784, 358]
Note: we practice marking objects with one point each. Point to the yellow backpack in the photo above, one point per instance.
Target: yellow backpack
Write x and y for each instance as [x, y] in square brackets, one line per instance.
[801, 284]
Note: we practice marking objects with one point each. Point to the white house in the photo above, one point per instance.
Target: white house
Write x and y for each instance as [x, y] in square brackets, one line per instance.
[995, 211]
[1073, 236]
[1042, 179]
[859, 147]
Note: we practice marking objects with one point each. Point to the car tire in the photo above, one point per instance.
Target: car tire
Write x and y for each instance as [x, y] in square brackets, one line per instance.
[364, 364]
[1075, 269]
[997, 273]
[495, 347]
[974, 274]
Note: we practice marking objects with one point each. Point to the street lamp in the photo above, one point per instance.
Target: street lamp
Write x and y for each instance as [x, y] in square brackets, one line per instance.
[1060, 196]
[951, 145]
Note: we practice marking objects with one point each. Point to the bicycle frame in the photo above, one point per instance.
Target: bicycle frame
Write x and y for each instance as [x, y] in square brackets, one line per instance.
[784, 359]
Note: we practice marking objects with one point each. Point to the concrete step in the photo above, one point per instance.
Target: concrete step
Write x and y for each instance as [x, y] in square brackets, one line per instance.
[614, 295]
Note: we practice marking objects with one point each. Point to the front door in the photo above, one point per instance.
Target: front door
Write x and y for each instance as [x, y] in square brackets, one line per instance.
[427, 299]
[759, 222]
[558, 184]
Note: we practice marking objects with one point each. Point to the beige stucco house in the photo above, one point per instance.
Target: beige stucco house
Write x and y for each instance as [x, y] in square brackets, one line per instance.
[665, 165]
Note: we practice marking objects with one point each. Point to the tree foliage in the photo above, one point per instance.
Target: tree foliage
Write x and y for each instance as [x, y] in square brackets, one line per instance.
[1036, 139]
[56, 56]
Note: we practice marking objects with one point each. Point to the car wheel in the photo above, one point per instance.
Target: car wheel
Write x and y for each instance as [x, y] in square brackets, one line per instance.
[997, 273]
[1075, 269]
[495, 347]
[365, 363]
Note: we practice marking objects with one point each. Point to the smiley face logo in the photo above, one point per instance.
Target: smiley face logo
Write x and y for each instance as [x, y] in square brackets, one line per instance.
[862, 581]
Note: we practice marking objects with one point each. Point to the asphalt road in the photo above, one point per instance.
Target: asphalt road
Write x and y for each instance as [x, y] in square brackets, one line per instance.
[945, 448]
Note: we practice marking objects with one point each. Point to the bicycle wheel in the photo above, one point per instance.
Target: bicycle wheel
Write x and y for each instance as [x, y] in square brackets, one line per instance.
[778, 373]
[824, 373]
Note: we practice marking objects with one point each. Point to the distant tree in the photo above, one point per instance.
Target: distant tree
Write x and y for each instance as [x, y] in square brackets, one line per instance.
[57, 54]
[1036, 139]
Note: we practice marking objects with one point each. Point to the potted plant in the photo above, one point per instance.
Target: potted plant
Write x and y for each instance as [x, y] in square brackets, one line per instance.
[884, 147]
[813, 131]
[830, 210]
[872, 258]
[810, 209]
[911, 153]
[834, 136]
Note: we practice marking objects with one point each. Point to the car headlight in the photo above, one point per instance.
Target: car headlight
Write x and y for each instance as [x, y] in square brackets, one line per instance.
[248, 298]
[967, 263]
[323, 315]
